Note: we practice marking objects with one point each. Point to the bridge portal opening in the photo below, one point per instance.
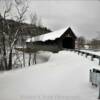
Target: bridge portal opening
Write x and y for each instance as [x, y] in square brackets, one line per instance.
[69, 43]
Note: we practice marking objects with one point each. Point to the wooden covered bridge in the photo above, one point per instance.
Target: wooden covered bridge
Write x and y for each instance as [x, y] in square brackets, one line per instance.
[53, 41]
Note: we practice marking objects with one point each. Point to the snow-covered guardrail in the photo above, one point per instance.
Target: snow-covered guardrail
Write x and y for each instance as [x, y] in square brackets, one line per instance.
[94, 73]
[87, 53]
[95, 78]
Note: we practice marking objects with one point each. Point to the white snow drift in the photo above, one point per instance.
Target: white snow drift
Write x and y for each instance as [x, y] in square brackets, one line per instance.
[64, 77]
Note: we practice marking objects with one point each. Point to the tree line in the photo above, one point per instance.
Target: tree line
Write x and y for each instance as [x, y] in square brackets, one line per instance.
[14, 30]
[92, 44]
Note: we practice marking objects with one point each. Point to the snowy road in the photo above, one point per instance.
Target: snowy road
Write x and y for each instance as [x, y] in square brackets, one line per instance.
[64, 77]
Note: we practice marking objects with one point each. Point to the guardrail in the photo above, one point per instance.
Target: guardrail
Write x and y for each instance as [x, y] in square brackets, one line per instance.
[94, 73]
[87, 54]
[95, 79]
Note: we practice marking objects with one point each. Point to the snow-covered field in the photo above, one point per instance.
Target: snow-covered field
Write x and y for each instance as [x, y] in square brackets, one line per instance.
[64, 77]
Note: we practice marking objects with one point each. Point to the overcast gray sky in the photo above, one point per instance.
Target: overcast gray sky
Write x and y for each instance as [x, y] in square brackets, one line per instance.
[82, 15]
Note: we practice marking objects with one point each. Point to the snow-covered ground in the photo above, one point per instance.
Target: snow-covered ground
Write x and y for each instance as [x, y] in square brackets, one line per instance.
[41, 57]
[64, 77]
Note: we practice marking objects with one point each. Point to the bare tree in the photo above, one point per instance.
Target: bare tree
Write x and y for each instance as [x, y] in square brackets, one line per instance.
[40, 24]
[8, 39]
[81, 42]
[21, 7]
[95, 44]
[5, 26]
[33, 19]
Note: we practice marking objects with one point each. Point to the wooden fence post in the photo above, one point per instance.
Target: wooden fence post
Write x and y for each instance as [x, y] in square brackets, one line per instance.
[99, 91]
[99, 61]
[91, 58]
[78, 52]
[81, 53]
[86, 55]
[90, 75]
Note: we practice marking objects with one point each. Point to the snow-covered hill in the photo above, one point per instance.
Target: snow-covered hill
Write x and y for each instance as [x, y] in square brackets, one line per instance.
[64, 77]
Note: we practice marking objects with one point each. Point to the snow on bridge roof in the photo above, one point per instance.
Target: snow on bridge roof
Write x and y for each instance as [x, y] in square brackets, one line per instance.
[48, 36]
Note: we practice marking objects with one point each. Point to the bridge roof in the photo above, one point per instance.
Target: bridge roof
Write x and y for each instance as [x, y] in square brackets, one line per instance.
[49, 36]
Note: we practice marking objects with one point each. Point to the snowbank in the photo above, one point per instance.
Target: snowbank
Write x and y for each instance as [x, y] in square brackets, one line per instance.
[65, 76]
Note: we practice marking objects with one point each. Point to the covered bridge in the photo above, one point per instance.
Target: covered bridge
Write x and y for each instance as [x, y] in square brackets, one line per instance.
[53, 41]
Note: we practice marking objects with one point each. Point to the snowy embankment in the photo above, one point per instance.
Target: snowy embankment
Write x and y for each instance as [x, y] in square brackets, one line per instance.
[41, 57]
[64, 77]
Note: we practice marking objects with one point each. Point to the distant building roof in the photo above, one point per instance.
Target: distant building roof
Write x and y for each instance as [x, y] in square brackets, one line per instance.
[48, 36]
